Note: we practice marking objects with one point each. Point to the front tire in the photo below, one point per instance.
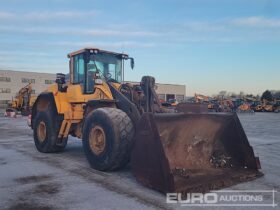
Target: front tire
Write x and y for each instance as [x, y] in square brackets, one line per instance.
[25, 112]
[107, 137]
[45, 133]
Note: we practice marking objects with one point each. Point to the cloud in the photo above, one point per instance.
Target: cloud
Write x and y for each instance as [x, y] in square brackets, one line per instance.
[228, 30]
[77, 31]
[223, 30]
[29, 48]
[118, 33]
[45, 15]
[58, 15]
[205, 26]
[257, 21]
[6, 15]
[115, 45]
[50, 59]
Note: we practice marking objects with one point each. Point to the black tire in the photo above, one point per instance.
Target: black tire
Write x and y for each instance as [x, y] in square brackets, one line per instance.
[11, 110]
[25, 112]
[118, 130]
[52, 125]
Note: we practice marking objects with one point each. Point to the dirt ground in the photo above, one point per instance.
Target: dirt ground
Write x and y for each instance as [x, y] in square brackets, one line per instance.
[33, 180]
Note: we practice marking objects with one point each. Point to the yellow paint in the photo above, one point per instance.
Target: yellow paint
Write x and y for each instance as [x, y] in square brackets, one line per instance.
[116, 85]
[32, 100]
[71, 103]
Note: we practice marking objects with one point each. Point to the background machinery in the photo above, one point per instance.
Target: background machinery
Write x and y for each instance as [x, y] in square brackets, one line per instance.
[202, 99]
[276, 106]
[256, 106]
[23, 101]
[268, 106]
[168, 150]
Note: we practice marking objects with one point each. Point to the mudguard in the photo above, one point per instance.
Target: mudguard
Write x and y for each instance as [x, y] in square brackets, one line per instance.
[48, 101]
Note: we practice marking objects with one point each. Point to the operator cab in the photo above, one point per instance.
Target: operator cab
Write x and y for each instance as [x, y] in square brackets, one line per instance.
[91, 66]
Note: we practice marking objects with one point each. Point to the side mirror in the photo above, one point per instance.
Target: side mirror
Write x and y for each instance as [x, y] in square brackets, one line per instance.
[131, 63]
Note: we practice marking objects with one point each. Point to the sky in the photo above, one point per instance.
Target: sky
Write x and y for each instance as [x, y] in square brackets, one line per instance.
[207, 45]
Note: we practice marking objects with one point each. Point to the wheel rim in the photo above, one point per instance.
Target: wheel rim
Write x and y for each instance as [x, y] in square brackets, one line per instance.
[41, 131]
[97, 139]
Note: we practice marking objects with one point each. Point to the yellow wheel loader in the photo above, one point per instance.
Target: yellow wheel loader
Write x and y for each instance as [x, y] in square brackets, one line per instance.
[169, 150]
[23, 101]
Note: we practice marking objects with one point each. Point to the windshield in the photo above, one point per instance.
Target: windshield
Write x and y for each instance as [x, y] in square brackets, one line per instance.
[107, 64]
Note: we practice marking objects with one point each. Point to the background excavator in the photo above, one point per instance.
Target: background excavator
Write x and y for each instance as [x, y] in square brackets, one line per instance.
[168, 150]
[23, 101]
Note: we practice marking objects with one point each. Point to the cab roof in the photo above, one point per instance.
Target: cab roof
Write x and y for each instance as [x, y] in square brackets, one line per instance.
[93, 48]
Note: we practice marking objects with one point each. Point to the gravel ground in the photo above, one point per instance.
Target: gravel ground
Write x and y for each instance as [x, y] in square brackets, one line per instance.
[33, 180]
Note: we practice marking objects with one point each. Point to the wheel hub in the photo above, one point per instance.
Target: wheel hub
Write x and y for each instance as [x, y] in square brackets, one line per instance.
[41, 132]
[97, 139]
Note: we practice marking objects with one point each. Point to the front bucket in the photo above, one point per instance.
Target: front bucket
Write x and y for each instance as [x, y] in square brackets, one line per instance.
[192, 152]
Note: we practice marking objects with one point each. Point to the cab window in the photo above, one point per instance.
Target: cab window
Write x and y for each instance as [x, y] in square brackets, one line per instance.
[79, 69]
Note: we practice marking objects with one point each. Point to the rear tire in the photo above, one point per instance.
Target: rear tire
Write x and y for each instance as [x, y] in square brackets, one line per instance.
[107, 138]
[45, 133]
